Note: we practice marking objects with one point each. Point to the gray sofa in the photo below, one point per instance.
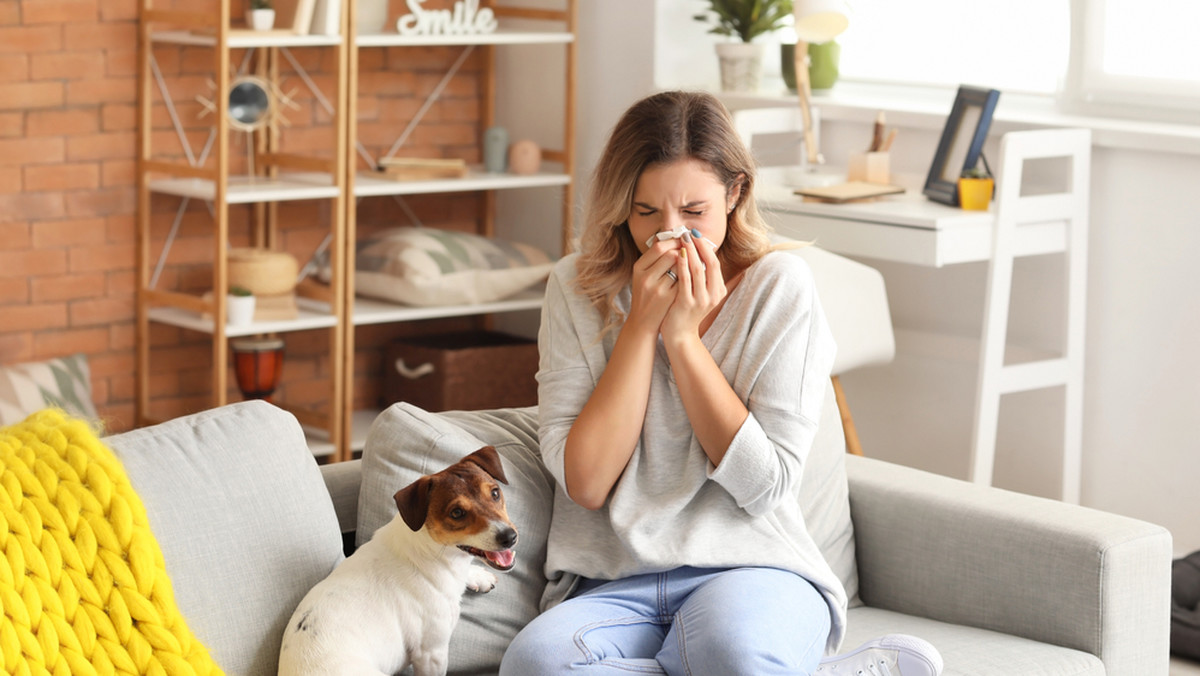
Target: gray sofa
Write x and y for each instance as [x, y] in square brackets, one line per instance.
[1001, 583]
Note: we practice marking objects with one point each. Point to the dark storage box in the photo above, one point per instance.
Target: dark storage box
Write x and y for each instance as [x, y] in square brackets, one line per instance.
[462, 371]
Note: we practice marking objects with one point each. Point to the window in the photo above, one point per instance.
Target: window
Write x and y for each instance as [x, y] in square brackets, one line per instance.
[1129, 58]
[1018, 45]
[1135, 57]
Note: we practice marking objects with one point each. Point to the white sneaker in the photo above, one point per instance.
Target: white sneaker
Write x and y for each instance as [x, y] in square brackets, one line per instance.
[891, 655]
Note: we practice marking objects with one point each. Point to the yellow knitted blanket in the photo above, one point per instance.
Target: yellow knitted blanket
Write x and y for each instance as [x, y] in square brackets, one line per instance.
[83, 586]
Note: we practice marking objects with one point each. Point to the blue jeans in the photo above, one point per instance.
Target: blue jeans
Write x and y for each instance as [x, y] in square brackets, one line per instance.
[688, 621]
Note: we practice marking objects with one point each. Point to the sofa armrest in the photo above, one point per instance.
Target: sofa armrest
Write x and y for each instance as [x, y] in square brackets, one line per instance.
[967, 554]
[343, 480]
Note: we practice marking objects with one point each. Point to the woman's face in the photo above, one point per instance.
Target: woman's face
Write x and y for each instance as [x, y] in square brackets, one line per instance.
[684, 193]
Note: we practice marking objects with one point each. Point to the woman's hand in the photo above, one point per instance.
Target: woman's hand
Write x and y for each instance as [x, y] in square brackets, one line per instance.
[700, 290]
[653, 289]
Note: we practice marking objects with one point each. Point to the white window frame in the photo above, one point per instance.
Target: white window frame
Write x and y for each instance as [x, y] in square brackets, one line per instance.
[1089, 90]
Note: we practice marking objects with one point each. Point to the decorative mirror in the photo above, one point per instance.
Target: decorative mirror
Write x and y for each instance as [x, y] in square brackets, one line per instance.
[254, 103]
[249, 103]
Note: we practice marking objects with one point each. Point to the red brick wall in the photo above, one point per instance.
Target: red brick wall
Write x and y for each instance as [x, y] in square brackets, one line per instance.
[68, 74]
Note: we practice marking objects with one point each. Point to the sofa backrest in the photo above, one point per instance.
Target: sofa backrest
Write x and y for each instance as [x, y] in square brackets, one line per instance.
[243, 518]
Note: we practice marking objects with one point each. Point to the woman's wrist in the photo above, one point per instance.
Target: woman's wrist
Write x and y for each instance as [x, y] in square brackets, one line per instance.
[680, 344]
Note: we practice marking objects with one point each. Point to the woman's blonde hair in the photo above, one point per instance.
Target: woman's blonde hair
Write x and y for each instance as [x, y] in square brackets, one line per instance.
[661, 129]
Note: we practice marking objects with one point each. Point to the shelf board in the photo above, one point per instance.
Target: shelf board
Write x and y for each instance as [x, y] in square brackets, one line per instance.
[318, 442]
[241, 39]
[361, 421]
[369, 184]
[312, 315]
[318, 439]
[500, 37]
[251, 189]
[370, 311]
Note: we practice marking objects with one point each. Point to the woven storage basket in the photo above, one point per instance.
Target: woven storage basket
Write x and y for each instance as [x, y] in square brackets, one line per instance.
[263, 272]
[462, 371]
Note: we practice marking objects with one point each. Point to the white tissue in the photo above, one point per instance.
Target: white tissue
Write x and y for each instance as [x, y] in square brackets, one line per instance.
[670, 234]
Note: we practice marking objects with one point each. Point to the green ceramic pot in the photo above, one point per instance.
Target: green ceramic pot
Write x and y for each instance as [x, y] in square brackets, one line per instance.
[822, 64]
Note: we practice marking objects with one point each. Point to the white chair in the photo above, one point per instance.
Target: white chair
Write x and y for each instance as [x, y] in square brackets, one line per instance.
[1015, 215]
[855, 302]
[773, 135]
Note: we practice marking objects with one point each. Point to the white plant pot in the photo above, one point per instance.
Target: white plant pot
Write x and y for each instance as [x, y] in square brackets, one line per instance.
[741, 66]
[372, 16]
[239, 310]
[260, 19]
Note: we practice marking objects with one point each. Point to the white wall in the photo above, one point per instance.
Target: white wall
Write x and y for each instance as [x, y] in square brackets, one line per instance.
[615, 46]
[1142, 399]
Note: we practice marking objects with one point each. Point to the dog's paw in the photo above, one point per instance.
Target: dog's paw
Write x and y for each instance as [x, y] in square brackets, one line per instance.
[480, 580]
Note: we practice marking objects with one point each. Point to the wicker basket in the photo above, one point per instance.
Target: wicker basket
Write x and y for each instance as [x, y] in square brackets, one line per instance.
[462, 371]
[263, 272]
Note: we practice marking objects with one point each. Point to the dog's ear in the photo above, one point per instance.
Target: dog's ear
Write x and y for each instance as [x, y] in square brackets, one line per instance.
[413, 502]
[489, 461]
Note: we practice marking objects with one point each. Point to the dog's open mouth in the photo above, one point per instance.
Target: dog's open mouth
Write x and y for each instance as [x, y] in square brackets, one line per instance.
[501, 560]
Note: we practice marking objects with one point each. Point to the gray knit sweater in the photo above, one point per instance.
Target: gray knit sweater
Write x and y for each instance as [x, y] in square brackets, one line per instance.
[672, 507]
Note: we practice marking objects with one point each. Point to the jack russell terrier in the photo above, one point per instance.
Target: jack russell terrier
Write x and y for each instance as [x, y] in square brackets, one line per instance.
[395, 601]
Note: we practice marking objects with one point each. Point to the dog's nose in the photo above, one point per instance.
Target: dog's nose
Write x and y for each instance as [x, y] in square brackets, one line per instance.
[507, 537]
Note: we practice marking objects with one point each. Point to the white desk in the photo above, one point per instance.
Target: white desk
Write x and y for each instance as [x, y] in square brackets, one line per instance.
[911, 229]
[906, 228]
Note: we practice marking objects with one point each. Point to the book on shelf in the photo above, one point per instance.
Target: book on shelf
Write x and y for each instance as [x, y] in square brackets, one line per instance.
[295, 13]
[327, 17]
[420, 168]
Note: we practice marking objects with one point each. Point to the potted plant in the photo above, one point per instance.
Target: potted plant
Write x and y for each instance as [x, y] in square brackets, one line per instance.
[975, 188]
[741, 61]
[260, 15]
[239, 310]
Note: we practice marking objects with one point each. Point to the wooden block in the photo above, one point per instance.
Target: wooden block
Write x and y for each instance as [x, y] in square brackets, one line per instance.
[273, 308]
[869, 168]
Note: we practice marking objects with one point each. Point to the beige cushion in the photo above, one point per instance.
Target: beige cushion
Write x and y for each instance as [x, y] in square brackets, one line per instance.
[240, 510]
[429, 266]
[405, 443]
[60, 383]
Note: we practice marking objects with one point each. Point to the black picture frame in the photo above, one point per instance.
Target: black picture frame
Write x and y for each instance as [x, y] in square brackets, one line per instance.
[961, 143]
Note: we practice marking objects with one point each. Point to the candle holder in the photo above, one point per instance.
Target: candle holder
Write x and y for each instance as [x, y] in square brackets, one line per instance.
[257, 365]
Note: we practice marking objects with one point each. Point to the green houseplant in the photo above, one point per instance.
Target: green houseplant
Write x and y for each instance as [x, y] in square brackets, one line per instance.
[745, 20]
[240, 306]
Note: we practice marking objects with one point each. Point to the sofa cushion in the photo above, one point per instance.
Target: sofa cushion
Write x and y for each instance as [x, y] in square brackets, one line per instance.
[61, 383]
[245, 523]
[971, 651]
[405, 443]
[431, 266]
[82, 583]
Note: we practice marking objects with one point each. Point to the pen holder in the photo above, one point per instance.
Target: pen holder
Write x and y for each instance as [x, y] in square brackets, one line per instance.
[869, 167]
